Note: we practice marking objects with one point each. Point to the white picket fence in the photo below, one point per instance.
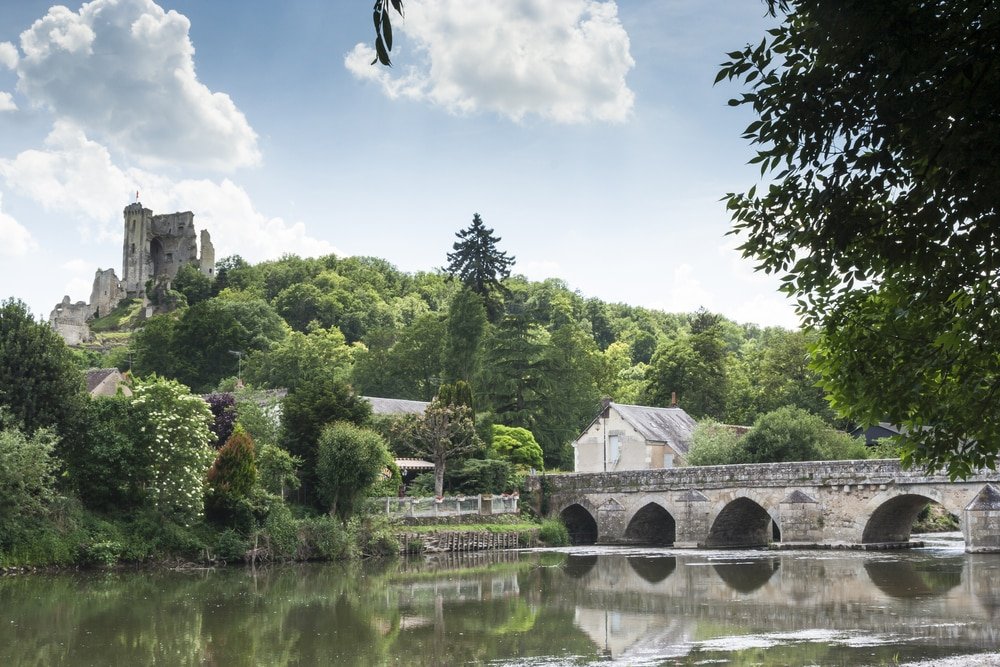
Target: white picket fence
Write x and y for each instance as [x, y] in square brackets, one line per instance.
[448, 506]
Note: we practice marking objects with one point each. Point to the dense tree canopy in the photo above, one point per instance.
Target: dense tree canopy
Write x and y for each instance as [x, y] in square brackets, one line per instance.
[879, 126]
[40, 385]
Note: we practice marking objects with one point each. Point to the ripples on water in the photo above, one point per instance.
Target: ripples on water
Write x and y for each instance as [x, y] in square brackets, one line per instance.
[574, 606]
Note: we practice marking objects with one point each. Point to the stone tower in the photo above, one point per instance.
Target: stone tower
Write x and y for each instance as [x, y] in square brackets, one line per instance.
[156, 246]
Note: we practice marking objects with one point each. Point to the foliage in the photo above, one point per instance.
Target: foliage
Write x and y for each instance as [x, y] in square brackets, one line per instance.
[441, 433]
[374, 535]
[192, 283]
[234, 473]
[383, 29]
[478, 263]
[553, 533]
[517, 445]
[878, 126]
[174, 434]
[714, 443]
[464, 333]
[475, 476]
[310, 407]
[791, 434]
[692, 367]
[27, 475]
[404, 365]
[224, 414]
[277, 470]
[106, 463]
[298, 356]
[259, 415]
[350, 460]
[39, 383]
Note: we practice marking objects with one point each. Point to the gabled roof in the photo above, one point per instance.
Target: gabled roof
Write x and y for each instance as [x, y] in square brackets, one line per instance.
[670, 425]
[395, 406]
[95, 376]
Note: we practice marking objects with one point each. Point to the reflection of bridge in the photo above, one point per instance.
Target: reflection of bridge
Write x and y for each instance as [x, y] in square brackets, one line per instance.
[627, 602]
[830, 503]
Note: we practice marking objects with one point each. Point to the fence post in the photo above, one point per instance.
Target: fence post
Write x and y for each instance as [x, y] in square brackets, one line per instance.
[479, 504]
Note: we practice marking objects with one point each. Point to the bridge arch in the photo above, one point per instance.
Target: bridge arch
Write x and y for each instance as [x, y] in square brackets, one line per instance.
[742, 522]
[891, 518]
[580, 524]
[652, 524]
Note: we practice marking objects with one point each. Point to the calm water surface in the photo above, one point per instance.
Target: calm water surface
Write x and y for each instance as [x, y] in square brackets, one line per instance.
[579, 606]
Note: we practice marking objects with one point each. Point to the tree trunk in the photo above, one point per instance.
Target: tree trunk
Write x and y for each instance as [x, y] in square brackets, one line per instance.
[439, 478]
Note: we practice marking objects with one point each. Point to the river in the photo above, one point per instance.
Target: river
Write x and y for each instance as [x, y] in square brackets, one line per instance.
[574, 606]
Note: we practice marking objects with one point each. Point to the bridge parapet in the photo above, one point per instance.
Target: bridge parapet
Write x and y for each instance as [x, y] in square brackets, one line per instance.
[809, 473]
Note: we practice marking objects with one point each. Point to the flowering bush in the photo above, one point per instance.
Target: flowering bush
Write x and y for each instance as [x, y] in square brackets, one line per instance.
[174, 430]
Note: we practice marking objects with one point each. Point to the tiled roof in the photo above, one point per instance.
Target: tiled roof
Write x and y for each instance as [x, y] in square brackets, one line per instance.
[395, 406]
[95, 376]
[670, 425]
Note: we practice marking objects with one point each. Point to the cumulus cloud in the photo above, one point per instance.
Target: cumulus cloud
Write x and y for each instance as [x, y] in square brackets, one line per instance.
[123, 70]
[15, 240]
[8, 55]
[7, 102]
[76, 175]
[563, 61]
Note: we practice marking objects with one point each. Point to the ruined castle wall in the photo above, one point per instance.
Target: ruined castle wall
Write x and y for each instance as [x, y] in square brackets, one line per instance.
[207, 254]
[106, 294]
[70, 321]
[135, 248]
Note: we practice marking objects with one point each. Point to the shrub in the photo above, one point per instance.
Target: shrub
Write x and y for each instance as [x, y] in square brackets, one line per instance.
[553, 533]
[230, 546]
[175, 437]
[713, 443]
[99, 554]
[785, 434]
[232, 477]
[276, 470]
[323, 538]
[476, 476]
[374, 536]
[518, 446]
[223, 407]
[281, 533]
[350, 460]
[27, 470]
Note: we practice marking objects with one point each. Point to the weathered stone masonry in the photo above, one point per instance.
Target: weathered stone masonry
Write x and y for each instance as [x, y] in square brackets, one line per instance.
[830, 503]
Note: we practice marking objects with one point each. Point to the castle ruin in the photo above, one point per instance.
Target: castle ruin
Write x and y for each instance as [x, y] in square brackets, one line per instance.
[155, 247]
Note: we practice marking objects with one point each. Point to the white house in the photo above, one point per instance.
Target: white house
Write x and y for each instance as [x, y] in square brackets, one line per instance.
[633, 437]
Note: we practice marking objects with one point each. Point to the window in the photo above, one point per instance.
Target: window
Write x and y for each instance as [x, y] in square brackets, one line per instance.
[614, 447]
[170, 258]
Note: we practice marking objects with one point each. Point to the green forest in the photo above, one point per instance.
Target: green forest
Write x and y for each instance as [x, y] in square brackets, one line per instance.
[196, 463]
[537, 355]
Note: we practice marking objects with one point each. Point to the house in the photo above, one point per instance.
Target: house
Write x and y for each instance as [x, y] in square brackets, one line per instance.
[105, 382]
[633, 437]
[876, 432]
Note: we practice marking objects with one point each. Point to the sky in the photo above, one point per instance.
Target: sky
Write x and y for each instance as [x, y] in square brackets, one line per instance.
[587, 134]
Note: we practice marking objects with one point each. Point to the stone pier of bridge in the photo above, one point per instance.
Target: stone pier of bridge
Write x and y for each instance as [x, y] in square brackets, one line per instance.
[857, 504]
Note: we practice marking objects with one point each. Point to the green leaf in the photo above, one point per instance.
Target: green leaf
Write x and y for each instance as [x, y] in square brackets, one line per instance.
[387, 30]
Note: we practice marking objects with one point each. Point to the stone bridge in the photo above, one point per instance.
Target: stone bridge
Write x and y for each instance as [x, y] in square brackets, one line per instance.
[863, 504]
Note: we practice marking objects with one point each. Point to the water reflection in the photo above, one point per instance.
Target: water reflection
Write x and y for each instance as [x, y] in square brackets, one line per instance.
[658, 607]
[653, 569]
[747, 576]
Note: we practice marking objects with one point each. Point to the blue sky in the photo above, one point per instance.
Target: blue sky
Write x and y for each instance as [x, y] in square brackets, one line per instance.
[586, 132]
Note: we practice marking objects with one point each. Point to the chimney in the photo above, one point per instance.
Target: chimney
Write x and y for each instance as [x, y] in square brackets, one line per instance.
[673, 399]
[605, 402]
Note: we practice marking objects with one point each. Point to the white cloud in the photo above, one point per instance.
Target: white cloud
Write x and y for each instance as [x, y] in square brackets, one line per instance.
[123, 70]
[77, 176]
[8, 55]
[7, 102]
[686, 293]
[15, 240]
[563, 61]
[76, 265]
